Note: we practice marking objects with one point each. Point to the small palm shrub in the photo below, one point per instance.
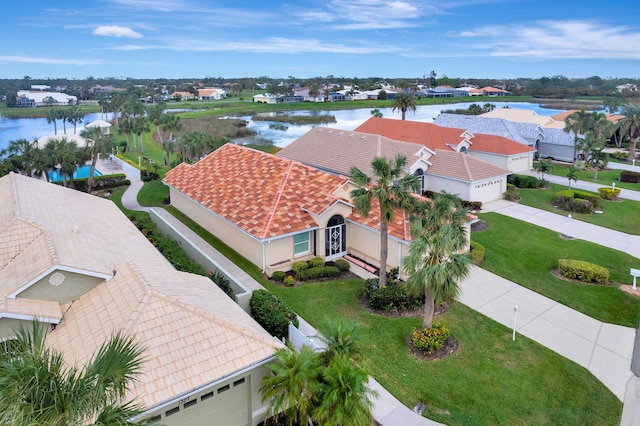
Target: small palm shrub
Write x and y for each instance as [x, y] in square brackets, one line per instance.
[342, 264]
[430, 339]
[583, 271]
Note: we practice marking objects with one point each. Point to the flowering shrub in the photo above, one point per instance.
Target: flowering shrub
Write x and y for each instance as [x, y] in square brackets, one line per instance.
[289, 281]
[430, 339]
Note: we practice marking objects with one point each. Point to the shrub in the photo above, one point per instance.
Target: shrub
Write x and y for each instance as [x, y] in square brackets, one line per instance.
[271, 313]
[342, 264]
[524, 181]
[316, 261]
[278, 276]
[609, 193]
[512, 193]
[576, 201]
[393, 297]
[430, 339]
[300, 266]
[620, 155]
[472, 205]
[628, 176]
[583, 271]
[221, 281]
[477, 252]
[289, 281]
[316, 272]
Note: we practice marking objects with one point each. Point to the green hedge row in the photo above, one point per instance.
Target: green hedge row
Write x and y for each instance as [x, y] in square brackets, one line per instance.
[583, 271]
[271, 313]
[629, 176]
[477, 252]
[525, 181]
[100, 182]
[315, 272]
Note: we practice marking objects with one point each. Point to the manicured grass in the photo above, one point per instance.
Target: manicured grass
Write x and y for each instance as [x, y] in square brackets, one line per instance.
[605, 177]
[526, 254]
[618, 215]
[489, 380]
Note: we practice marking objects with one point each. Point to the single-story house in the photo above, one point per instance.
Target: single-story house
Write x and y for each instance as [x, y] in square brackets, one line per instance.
[275, 211]
[211, 94]
[450, 170]
[500, 151]
[548, 141]
[37, 98]
[79, 266]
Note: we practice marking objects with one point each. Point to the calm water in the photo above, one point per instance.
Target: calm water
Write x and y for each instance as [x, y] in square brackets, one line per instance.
[34, 128]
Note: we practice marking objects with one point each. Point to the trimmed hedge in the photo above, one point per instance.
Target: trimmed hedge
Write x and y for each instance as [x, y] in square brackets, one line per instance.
[278, 276]
[629, 176]
[271, 313]
[609, 193]
[300, 266]
[477, 253]
[315, 262]
[99, 182]
[577, 201]
[316, 272]
[583, 271]
[524, 181]
[342, 264]
[391, 298]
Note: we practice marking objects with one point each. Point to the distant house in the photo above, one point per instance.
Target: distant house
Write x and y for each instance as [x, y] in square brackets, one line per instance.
[265, 98]
[492, 91]
[442, 92]
[275, 211]
[33, 99]
[185, 96]
[211, 94]
[204, 356]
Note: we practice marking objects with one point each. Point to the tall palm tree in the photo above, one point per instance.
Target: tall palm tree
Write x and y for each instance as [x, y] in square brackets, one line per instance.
[578, 123]
[98, 144]
[294, 383]
[24, 153]
[572, 175]
[435, 263]
[392, 189]
[155, 113]
[630, 126]
[37, 387]
[404, 102]
[52, 117]
[75, 116]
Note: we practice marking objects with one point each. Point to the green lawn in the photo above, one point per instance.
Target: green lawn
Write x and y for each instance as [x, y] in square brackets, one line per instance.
[526, 254]
[489, 380]
[619, 215]
[605, 177]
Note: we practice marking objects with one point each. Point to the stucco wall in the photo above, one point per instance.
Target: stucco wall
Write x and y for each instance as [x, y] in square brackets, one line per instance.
[365, 244]
[488, 190]
[439, 184]
[557, 152]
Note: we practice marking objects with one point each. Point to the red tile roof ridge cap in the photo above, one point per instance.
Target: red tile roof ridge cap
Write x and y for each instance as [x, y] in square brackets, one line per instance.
[265, 231]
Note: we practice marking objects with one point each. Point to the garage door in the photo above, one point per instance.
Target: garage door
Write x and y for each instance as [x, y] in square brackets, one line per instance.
[225, 405]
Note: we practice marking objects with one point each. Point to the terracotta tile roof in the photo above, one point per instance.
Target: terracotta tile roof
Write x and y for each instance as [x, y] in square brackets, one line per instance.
[336, 151]
[264, 195]
[398, 228]
[193, 333]
[437, 137]
[459, 166]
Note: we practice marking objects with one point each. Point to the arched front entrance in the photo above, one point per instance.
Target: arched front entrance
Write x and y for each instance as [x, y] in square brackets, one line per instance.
[335, 238]
[420, 175]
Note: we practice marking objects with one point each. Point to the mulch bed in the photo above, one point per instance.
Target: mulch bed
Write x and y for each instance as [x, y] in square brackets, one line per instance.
[480, 225]
[449, 347]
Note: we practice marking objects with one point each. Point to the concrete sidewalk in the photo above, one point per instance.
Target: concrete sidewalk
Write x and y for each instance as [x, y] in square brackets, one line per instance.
[563, 225]
[604, 349]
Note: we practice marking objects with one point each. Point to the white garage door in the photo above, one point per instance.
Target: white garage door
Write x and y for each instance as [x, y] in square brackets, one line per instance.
[224, 405]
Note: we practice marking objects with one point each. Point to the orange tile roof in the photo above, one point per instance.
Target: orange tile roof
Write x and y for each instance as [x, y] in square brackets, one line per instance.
[262, 194]
[437, 137]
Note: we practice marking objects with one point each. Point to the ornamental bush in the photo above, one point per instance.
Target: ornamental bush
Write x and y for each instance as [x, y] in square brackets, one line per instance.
[583, 271]
[476, 253]
[316, 261]
[609, 193]
[512, 193]
[393, 297]
[628, 176]
[524, 181]
[342, 264]
[271, 313]
[289, 281]
[316, 272]
[430, 339]
[620, 155]
[577, 201]
[278, 276]
[297, 267]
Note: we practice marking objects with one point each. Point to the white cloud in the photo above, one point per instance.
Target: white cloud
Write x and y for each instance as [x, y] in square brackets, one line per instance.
[116, 31]
[53, 61]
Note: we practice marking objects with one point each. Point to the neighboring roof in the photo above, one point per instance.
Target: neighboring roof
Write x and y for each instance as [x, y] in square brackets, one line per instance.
[489, 126]
[99, 123]
[519, 115]
[336, 151]
[435, 136]
[77, 139]
[490, 89]
[192, 332]
[459, 166]
[264, 195]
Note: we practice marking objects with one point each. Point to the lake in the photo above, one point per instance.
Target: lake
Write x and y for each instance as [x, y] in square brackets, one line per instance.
[35, 128]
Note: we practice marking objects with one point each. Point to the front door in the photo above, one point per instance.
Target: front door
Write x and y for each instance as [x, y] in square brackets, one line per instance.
[335, 238]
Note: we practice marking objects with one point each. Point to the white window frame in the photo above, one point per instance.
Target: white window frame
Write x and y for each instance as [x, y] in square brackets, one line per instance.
[297, 244]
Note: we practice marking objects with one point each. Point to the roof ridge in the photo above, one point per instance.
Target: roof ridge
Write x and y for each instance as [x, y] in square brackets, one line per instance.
[277, 200]
[466, 166]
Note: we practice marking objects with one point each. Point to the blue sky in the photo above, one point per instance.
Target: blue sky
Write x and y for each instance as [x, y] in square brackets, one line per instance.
[309, 38]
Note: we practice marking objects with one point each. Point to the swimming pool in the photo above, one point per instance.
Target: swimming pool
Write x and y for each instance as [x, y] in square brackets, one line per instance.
[81, 172]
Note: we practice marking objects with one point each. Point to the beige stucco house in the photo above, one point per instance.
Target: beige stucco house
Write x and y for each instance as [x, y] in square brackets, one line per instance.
[275, 211]
[77, 264]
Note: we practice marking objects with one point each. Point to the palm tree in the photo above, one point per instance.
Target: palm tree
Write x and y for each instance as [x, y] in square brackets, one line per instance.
[376, 113]
[340, 337]
[630, 126]
[314, 91]
[404, 102]
[24, 154]
[572, 175]
[75, 116]
[294, 383]
[435, 263]
[543, 167]
[64, 153]
[578, 123]
[98, 144]
[155, 114]
[597, 158]
[37, 387]
[52, 117]
[391, 188]
[171, 123]
[475, 109]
